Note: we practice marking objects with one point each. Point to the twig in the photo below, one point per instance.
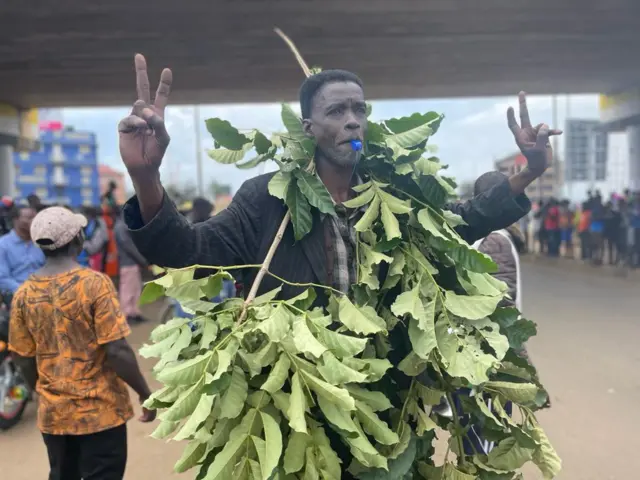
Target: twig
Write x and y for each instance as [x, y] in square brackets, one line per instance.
[264, 269]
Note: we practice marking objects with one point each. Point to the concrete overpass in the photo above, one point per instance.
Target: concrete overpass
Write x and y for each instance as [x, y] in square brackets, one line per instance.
[74, 52]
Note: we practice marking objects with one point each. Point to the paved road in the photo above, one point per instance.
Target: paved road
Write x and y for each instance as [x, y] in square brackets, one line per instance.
[586, 350]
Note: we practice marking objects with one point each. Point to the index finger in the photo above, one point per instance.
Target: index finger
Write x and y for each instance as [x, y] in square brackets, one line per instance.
[525, 122]
[142, 79]
[164, 89]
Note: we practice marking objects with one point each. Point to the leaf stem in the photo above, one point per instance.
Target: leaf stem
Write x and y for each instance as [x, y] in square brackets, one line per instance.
[456, 420]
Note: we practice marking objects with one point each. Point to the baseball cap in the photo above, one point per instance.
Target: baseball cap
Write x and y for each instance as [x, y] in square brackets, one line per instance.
[54, 227]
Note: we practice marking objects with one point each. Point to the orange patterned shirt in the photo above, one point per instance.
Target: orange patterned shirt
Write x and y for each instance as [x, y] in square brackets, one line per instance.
[64, 321]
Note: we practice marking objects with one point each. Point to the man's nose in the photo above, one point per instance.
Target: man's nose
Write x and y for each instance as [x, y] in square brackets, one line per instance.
[352, 122]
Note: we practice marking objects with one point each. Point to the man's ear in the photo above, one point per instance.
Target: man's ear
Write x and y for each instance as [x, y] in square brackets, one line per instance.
[307, 127]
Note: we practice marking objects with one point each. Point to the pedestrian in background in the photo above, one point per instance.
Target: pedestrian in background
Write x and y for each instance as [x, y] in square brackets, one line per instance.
[131, 264]
[68, 333]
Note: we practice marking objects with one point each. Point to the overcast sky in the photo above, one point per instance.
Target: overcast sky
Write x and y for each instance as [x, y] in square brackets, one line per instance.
[473, 134]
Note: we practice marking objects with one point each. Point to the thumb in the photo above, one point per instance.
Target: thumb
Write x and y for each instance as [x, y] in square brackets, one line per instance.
[542, 138]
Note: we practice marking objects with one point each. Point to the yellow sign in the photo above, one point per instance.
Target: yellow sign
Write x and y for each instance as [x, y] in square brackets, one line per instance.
[610, 101]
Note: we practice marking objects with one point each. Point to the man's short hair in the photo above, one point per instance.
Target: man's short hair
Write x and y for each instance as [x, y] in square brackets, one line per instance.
[487, 181]
[314, 83]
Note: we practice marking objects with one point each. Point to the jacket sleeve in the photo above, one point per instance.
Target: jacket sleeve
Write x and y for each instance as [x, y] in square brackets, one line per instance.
[499, 249]
[490, 211]
[228, 238]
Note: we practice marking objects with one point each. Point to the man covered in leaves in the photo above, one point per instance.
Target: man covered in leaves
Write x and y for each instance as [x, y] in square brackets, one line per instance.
[334, 114]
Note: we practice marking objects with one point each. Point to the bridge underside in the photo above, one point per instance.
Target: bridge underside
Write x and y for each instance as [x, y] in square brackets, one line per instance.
[74, 52]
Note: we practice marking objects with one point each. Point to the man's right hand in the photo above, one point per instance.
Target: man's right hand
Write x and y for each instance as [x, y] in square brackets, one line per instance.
[143, 136]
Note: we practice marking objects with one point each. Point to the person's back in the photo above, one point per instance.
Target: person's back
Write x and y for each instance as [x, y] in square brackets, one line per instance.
[68, 336]
[69, 317]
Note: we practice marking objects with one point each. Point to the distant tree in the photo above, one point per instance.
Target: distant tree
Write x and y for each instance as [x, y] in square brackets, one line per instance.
[216, 189]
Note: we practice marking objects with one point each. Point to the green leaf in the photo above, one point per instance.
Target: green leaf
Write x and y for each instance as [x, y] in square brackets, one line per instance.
[376, 400]
[396, 205]
[374, 368]
[315, 191]
[520, 393]
[453, 219]
[260, 142]
[452, 473]
[410, 303]
[491, 333]
[403, 124]
[292, 123]
[363, 320]
[277, 326]
[199, 415]
[190, 457]
[226, 459]
[300, 210]
[471, 307]
[410, 138]
[369, 216]
[294, 453]
[164, 429]
[297, 405]
[429, 224]
[225, 134]
[508, 455]
[463, 357]
[545, 456]
[423, 341]
[157, 349]
[337, 373]
[209, 333]
[228, 157]
[279, 184]
[186, 372]
[339, 344]
[361, 200]
[232, 402]
[184, 405]
[150, 293]
[390, 223]
[273, 445]
[338, 396]
[278, 375]
[338, 417]
[374, 426]
[484, 408]
[304, 340]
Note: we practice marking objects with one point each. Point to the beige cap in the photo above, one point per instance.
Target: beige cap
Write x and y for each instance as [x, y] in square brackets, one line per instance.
[54, 227]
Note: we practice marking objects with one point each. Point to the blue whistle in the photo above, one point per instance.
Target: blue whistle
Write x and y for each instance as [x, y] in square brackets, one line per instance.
[356, 145]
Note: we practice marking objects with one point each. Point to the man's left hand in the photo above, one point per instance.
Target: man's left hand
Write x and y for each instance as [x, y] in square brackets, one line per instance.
[532, 141]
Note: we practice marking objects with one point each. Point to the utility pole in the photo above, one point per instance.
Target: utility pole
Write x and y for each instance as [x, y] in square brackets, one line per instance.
[556, 152]
[196, 126]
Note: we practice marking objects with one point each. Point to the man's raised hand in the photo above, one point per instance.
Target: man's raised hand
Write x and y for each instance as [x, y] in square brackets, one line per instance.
[143, 135]
[532, 141]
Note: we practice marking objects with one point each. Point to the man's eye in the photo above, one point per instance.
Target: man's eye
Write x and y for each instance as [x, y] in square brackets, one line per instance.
[337, 111]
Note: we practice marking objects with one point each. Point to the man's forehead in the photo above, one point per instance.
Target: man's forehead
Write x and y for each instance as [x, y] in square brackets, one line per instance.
[334, 92]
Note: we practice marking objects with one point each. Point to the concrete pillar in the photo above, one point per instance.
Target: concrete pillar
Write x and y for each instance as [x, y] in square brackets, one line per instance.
[633, 137]
[7, 171]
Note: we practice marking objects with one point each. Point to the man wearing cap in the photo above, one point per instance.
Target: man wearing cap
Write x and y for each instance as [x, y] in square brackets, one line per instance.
[69, 335]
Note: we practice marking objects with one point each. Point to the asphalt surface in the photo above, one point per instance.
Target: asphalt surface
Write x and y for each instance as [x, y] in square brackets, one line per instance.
[586, 351]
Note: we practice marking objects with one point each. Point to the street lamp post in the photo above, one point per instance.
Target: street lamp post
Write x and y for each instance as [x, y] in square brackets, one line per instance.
[196, 126]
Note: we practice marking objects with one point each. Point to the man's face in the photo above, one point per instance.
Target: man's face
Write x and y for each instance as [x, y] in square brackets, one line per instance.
[23, 222]
[338, 115]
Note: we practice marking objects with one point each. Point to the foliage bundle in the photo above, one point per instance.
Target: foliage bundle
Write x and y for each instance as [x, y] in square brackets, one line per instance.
[269, 388]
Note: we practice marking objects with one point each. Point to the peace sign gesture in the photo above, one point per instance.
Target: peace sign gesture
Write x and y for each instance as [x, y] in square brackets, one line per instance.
[143, 136]
[532, 141]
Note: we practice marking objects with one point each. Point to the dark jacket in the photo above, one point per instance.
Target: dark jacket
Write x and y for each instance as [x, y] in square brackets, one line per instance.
[243, 232]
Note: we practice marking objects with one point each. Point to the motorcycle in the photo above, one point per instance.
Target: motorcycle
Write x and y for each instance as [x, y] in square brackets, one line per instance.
[14, 391]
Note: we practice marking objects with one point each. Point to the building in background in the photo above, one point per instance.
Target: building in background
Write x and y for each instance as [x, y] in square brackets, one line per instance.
[620, 112]
[64, 170]
[108, 175]
[547, 186]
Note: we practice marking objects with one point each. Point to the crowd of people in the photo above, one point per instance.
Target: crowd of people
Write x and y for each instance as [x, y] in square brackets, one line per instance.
[597, 231]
